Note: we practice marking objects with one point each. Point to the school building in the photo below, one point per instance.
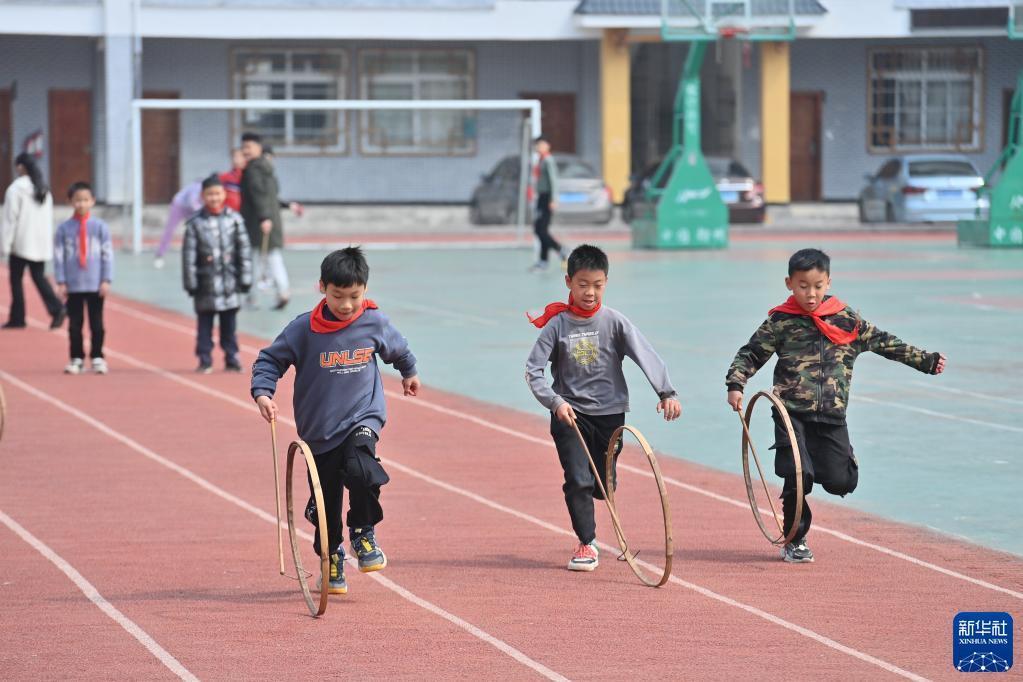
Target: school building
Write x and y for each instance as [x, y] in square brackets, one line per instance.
[863, 80]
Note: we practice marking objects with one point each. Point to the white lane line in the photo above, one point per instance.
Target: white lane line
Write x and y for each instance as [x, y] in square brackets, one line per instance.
[941, 415]
[93, 595]
[971, 394]
[741, 504]
[480, 634]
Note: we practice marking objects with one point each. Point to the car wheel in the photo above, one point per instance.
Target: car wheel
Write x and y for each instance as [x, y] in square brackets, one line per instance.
[889, 213]
[475, 215]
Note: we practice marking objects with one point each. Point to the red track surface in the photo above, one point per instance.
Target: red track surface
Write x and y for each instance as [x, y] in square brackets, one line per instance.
[475, 525]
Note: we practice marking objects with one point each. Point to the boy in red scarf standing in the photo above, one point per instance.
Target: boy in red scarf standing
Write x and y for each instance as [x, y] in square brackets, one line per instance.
[586, 343]
[83, 266]
[817, 339]
[339, 401]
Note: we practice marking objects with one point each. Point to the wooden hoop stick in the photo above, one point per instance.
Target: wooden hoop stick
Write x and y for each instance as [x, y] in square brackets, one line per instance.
[277, 495]
[296, 554]
[608, 495]
[782, 538]
[264, 259]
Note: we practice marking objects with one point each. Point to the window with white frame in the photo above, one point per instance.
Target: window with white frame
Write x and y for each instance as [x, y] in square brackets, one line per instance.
[925, 99]
[301, 74]
[422, 75]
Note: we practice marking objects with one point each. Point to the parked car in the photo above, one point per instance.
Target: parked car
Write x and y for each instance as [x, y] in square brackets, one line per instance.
[743, 195]
[582, 194]
[923, 188]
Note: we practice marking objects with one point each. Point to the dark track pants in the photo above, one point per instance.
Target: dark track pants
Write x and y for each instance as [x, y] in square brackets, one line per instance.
[580, 487]
[541, 227]
[76, 305]
[827, 459]
[228, 335]
[353, 465]
[38, 271]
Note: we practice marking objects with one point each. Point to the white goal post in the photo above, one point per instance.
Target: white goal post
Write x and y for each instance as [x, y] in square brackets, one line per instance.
[531, 130]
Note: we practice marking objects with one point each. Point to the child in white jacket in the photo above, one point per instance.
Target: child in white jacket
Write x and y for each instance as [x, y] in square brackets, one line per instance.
[26, 236]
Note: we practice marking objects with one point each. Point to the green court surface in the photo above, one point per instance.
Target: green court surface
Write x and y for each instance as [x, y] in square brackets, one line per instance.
[942, 452]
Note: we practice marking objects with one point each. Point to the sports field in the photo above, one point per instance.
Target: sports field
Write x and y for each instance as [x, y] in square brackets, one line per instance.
[149, 545]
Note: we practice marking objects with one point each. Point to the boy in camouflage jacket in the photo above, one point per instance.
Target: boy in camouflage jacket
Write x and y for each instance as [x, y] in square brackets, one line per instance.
[817, 339]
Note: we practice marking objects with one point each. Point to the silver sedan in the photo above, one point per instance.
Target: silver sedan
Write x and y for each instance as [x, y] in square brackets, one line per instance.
[923, 188]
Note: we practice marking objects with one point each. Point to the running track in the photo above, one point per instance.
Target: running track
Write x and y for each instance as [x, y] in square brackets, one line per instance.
[136, 540]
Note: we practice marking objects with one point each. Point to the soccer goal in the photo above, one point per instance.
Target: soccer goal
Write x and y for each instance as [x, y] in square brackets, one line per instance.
[389, 155]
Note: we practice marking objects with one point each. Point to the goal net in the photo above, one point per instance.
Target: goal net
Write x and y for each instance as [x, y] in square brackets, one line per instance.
[358, 166]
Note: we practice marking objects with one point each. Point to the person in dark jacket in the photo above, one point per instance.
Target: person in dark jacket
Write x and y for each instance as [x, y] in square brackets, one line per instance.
[261, 209]
[217, 271]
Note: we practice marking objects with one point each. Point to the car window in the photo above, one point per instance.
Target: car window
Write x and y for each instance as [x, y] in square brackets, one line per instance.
[575, 168]
[508, 169]
[890, 169]
[730, 168]
[941, 167]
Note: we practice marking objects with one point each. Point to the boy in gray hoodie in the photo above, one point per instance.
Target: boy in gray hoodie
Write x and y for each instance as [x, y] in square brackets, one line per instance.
[339, 401]
[586, 343]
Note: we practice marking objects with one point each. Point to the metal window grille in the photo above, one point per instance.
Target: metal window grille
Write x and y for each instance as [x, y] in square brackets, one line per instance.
[408, 74]
[925, 99]
[293, 75]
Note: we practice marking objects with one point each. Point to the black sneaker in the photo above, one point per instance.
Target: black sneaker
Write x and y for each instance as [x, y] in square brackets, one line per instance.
[364, 544]
[204, 368]
[58, 319]
[14, 325]
[336, 583]
[232, 365]
[797, 553]
[282, 303]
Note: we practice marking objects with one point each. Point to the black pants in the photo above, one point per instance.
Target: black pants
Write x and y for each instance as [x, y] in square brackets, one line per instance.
[353, 465]
[38, 272]
[542, 224]
[827, 459]
[228, 335]
[76, 304]
[580, 487]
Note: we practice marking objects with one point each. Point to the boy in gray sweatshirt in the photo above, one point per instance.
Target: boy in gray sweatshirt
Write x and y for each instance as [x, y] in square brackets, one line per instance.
[586, 343]
[339, 401]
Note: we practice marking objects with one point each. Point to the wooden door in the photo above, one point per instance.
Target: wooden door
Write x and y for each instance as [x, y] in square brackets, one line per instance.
[805, 145]
[6, 153]
[557, 119]
[161, 156]
[70, 146]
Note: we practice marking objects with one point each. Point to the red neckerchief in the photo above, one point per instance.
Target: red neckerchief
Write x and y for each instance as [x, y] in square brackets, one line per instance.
[829, 306]
[83, 239]
[321, 325]
[557, 308]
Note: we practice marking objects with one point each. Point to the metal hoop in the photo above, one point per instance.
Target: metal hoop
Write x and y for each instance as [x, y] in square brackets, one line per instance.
[782, 538]
[669, 543]
[608, 494]
[321, 514]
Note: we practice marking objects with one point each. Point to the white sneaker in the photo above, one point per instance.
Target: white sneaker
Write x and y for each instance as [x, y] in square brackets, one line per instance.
[75, 366]
[158, 263]
[99, 366]
[585, 558]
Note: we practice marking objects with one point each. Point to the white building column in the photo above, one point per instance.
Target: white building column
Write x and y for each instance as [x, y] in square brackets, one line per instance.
[118, 90]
